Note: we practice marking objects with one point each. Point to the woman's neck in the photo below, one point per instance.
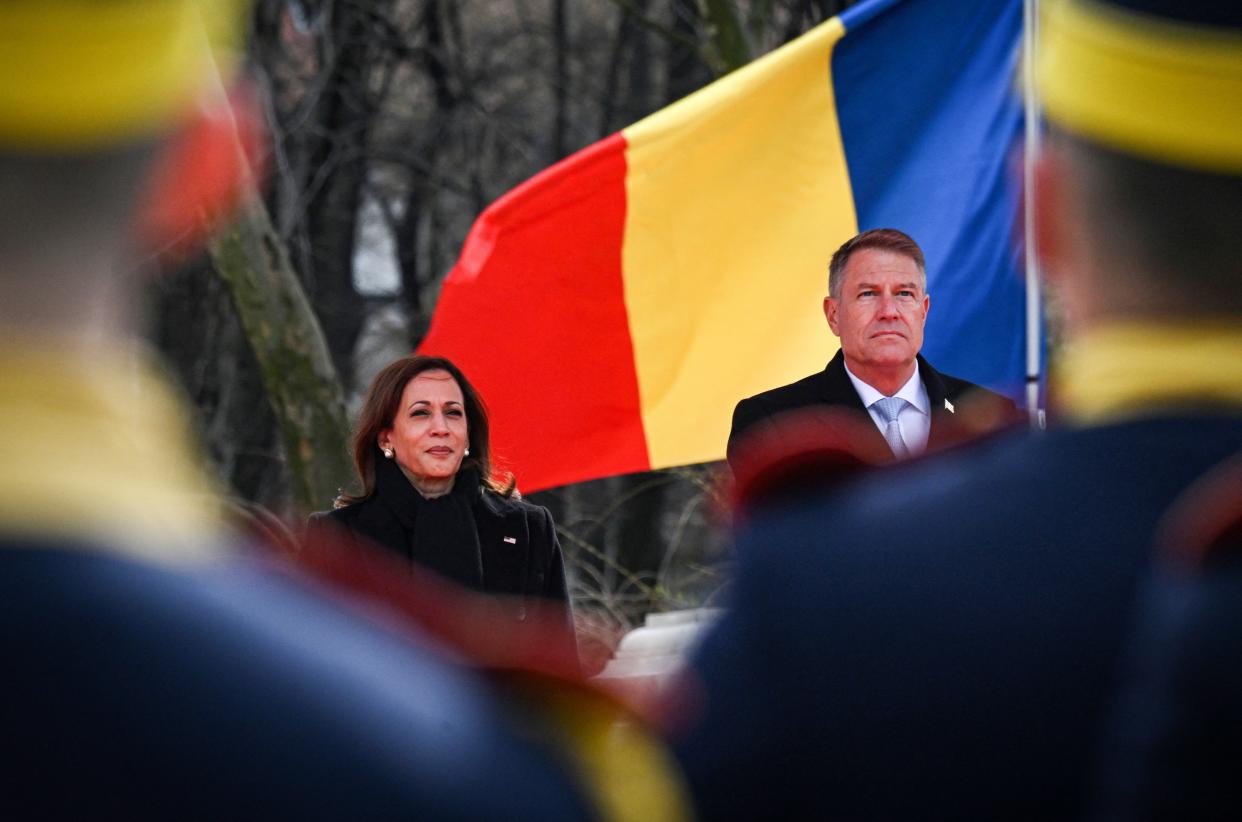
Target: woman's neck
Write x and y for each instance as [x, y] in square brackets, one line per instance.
[431, 487]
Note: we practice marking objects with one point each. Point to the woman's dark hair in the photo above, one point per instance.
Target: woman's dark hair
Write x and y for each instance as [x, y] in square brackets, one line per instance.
[380, 408]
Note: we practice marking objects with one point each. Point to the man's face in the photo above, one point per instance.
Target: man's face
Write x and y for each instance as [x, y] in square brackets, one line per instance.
[882, 309]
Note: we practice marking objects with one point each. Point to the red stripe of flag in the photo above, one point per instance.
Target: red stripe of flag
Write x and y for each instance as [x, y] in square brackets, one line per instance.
[549, 255]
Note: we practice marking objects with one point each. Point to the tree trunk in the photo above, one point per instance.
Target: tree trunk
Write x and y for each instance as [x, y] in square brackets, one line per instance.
[686, 71]
[730, 45]
[560, 79]
[301, 384]
[337, 172]
[195, 327]
[417, 270]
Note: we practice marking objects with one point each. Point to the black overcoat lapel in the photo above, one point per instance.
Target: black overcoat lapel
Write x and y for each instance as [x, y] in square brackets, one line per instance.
[837, 390]
[937, 393]
[504, 540]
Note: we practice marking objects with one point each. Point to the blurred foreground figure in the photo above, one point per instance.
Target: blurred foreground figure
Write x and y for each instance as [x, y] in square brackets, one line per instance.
[146, 673]
[1175, 747]
[943, 638]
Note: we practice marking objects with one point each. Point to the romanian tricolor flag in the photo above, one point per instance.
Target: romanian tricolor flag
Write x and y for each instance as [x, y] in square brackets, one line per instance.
[613, 309]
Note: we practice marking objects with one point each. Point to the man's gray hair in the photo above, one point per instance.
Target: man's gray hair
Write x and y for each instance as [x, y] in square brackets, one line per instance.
[884, 239]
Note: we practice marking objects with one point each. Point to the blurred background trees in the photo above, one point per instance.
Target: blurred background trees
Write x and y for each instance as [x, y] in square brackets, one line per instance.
[393, 124]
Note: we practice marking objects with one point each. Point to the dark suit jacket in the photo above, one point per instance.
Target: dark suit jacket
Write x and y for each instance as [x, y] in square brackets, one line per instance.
[832, 387]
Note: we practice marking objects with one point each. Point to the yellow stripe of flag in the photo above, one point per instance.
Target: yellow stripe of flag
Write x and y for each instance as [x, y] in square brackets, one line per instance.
[724, 299]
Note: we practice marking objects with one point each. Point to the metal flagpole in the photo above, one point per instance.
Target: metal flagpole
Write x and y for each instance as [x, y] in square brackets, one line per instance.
[1030, 34]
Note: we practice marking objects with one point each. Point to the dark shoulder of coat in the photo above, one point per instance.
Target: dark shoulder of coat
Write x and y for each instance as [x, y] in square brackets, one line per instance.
[956, 389]
[767, 404]
[337, 523]
[320, 521]
[830, 387]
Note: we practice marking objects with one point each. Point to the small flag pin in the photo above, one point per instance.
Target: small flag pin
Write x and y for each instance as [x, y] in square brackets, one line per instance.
[948, 406]
[511, 540]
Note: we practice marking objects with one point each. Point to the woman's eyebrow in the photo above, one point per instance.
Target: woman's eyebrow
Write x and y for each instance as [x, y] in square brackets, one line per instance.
[428, 402]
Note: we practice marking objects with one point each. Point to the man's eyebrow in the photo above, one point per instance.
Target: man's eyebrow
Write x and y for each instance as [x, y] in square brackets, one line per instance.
[912, 284]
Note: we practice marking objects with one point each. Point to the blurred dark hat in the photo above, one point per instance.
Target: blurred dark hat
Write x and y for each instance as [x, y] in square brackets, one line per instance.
[1158, 79]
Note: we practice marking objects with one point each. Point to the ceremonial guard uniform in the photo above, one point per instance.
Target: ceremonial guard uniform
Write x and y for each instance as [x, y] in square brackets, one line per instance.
[944, 638]
[151, 670]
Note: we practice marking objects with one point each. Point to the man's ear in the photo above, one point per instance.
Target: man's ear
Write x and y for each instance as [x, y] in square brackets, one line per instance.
[830, 313]
[202, 173]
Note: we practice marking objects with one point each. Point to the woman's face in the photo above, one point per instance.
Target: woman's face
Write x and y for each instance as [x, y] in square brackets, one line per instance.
[429, 433]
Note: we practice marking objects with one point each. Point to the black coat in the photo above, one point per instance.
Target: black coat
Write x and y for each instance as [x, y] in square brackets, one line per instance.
[832, 387]
[520, 553]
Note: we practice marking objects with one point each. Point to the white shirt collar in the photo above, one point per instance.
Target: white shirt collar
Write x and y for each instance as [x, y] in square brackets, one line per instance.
[913, 392]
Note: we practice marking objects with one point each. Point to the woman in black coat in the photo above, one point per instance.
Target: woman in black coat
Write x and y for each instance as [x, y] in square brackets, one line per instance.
[422, 453]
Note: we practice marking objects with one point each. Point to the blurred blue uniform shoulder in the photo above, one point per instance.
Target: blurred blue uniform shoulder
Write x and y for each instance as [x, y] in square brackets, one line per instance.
[937, 638]
[233, 692]
[1175, 741]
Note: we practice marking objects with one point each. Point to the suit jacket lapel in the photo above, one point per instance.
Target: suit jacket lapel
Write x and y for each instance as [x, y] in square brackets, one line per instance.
[504, 540]
[936, 395]
[837, 390]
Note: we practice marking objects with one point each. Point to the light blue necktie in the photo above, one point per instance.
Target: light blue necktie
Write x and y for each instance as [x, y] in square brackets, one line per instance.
[888, 409]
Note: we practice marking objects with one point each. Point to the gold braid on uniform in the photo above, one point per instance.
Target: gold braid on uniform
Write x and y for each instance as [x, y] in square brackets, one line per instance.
[1134, 370]
[98, 456]
[623, 767]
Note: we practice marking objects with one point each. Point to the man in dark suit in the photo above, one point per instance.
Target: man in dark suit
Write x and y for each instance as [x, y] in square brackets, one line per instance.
[943, 638]
[877, 305]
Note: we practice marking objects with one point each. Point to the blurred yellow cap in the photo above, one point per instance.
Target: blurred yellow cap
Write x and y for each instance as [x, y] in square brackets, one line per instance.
[87, 74]
[1147, 85]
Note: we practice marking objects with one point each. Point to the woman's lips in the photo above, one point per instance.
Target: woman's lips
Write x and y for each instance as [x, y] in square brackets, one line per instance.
[440, 451]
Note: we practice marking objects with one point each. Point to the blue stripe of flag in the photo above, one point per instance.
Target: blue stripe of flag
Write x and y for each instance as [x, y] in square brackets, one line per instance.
[930, 123]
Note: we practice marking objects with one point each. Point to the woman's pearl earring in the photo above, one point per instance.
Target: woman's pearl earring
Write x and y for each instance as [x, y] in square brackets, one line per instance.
[387, 452]
[467, 452]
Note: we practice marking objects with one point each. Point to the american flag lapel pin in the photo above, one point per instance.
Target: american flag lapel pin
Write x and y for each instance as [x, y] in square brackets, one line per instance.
[511, 540]
[948, 406]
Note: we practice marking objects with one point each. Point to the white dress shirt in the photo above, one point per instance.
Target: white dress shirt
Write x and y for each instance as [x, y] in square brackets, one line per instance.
[914, 419]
